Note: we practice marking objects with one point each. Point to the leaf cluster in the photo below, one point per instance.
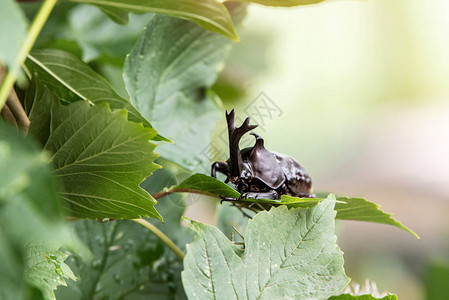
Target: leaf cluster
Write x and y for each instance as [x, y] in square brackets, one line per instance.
[76, 186]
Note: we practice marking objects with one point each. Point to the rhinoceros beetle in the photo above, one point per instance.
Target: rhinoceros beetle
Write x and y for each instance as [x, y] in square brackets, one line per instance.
[259, 173]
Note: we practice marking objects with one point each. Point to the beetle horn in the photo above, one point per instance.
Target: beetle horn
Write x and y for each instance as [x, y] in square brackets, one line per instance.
[235, 134]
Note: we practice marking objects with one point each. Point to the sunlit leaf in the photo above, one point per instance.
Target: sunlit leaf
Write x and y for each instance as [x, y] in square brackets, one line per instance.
[283, 2]
[210, 14]
[289, 253]
[359, 209]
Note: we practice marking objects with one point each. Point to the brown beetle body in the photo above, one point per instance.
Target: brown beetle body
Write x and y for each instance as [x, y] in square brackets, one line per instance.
[259, 173]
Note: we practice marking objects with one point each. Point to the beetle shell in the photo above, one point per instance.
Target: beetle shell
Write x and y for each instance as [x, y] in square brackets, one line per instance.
[297, 179]
[263, 164]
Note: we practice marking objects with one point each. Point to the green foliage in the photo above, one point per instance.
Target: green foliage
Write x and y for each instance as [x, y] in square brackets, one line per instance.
[72, 80]
[362, 297]
[167, 74]
[436, 280]
[203, 184]
[98, 37]
[101, 158]
[12, 38]
[359, 209]
[284, 2]
[29, 213]
[45, 268]
[102, 164]
[209, 14]
[128, 261]
[289, 253]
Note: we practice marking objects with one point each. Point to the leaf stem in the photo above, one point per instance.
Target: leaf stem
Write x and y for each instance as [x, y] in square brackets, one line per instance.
[162, 236]
[28, 43]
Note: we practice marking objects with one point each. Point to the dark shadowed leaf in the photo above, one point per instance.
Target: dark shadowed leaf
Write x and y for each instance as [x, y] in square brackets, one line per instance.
[289, 253]
[29, 213]
[128, 261]
[101, 158]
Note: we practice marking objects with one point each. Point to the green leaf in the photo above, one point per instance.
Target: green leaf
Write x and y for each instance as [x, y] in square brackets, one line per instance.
[362, 297]
[283, 2]
[436, 279]
[210, 14]
[45, 268]
[356, 209]
[203, 184]
[207, 185]
[101, 158]
[167, 74]
[29, 211]
[97, 35]
[359, 209]
[26, 174]
[127, 258]
[127, 262]
[288, 254]
[171, 207]
[13, 24]
[72, 80]
[117, 15]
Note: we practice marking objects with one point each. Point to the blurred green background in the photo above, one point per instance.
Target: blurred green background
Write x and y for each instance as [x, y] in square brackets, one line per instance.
[362, 87]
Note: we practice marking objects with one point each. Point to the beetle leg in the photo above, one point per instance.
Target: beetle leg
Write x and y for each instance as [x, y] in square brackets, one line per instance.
[219, 166]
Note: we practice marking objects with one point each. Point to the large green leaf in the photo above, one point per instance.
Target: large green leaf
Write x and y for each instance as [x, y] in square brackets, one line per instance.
[362, 297]
[210, 14]
[289, 254]
[128, 261]
[359, 209]
[284, 2]
[13, 24]
[101, 157]
[167, 74]
[72, 80]
[29, 212]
